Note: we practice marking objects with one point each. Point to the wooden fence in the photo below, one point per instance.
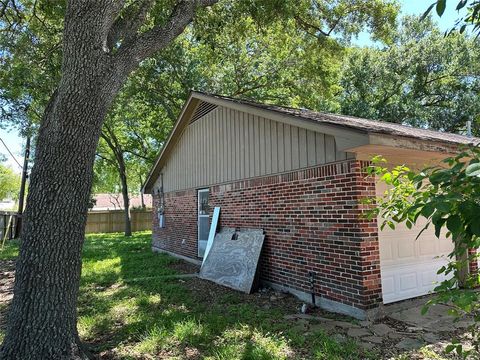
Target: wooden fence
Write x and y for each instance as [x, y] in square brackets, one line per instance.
[8, 224]
[110, 221]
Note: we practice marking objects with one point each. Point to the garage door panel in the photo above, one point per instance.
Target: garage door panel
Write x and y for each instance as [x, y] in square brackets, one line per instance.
[429, 277]
[408, 281]
[406, 250]
[388, 285]
[427, 248]
[408, 265]
[401, 283]
[386, 251]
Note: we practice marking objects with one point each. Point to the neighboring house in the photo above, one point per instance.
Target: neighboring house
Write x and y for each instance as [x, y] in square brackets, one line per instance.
[299, 175]
[8, 204]
[115, 201]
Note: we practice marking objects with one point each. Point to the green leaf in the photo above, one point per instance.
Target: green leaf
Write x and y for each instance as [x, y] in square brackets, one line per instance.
[440, 176]
[424, 309]
[454, 224]
[440, 8]
[461, 4]
[473, 170]
[425, 14]
[475, 227]
[438, 227]
[449, 348]
[444, 207]
[428, 210]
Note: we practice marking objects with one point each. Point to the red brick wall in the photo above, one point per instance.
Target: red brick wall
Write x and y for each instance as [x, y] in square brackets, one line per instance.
[312, 221]
[180, 232]
[473, 265]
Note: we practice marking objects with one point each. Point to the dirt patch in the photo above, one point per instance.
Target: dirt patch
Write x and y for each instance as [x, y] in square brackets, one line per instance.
[7, 276]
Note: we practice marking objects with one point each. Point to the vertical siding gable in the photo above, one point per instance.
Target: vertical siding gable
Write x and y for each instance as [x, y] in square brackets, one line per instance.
[226, 145]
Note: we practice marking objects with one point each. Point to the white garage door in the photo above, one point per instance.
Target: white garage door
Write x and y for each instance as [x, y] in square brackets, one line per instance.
[408, 266]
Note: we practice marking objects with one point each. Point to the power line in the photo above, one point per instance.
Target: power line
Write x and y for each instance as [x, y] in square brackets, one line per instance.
[6, 147]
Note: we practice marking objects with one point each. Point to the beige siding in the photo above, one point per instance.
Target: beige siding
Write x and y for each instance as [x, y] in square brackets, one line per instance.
[226, 145]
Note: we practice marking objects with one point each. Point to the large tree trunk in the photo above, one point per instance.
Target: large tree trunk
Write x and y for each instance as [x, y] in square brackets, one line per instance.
[42, 319]
[43, 313]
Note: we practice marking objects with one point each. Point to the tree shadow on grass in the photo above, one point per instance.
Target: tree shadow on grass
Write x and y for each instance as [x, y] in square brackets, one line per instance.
[127, 310]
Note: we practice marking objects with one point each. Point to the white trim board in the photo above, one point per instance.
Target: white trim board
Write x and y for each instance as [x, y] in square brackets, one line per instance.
[213, 230]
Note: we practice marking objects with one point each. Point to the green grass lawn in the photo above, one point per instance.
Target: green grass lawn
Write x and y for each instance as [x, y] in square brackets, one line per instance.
[129, 308]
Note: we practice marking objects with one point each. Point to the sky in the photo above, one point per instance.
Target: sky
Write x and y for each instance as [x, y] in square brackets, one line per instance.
[15, 144]
[408, 7]
[418, 7]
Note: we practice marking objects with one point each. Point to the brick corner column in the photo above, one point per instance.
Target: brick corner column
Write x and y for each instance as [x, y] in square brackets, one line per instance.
[371, 292]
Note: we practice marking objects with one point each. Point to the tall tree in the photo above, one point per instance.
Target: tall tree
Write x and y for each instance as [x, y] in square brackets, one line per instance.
[103, 41]
[423, 79]
[101, 46]
[128, 144]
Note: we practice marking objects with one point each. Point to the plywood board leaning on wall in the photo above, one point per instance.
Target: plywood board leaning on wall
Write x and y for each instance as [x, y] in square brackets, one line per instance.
[233, 258]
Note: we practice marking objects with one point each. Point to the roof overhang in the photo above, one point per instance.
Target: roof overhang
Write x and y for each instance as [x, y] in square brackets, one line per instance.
[363, 143]
[185, 115]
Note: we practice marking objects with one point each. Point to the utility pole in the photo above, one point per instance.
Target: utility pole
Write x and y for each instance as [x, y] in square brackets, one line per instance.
[21, 196]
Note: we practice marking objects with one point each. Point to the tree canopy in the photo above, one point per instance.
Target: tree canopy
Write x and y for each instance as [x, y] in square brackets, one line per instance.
[283, 52]
[422, 79]
[294, 54]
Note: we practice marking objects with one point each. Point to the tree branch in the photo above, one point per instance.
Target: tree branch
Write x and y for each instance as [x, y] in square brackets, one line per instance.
[106, 159]
[306, 26]
[127, 24]
[146, 44]
[139, 155]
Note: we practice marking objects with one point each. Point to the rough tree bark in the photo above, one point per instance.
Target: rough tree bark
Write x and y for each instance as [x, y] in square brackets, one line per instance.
[42, 318]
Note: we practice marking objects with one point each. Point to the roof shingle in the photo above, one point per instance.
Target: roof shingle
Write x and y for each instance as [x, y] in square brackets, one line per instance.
[366, 125]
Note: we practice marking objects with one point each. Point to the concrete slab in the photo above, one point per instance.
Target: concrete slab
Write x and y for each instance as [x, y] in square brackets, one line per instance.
[381, 329]
[373, 339]
[356, 333]
[233, 262]
[435, 320]
[408, 344]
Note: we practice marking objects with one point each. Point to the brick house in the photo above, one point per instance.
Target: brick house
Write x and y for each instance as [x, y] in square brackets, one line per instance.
[299, 175]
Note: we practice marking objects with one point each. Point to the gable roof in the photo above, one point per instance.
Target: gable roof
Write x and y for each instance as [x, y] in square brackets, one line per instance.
[349, 128]
[367, 125]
